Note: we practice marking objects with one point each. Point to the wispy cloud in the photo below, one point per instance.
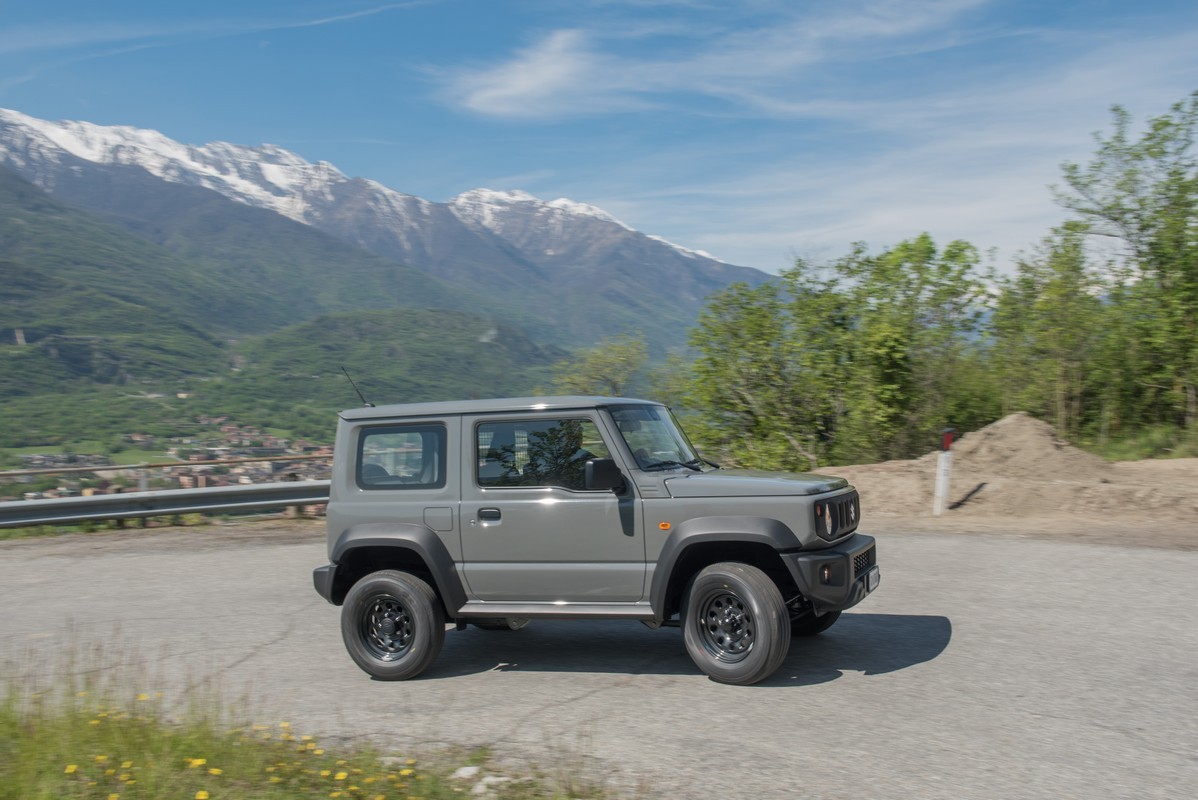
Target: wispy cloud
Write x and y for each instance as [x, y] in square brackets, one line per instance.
[50, 38]
[957, 162]
[576, 71]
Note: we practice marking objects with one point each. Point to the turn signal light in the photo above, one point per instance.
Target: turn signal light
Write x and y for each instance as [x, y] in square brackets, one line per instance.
[665, 526]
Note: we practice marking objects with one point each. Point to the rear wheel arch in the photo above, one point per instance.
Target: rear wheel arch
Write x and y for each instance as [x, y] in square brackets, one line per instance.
[413, 549]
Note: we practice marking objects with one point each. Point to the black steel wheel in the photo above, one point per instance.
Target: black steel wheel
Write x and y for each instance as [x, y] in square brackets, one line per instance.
[735, 623]
[810, 625]
[392, 624]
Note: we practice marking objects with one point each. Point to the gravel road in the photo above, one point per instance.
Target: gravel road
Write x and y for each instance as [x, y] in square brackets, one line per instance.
[986, 666]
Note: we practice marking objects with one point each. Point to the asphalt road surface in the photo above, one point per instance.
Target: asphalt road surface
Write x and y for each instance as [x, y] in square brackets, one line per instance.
[986, 666]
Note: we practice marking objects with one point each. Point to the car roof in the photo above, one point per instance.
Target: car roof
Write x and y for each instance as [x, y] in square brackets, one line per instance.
[494, 405]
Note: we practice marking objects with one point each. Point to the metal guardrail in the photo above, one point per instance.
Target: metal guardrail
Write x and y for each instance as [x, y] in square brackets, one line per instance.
[216, 462]
[19, 513]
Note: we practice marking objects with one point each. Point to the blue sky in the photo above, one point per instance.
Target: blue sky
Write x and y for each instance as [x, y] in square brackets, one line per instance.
[757, 131]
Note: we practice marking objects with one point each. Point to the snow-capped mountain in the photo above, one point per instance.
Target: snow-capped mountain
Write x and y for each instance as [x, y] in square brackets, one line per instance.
[510, 245]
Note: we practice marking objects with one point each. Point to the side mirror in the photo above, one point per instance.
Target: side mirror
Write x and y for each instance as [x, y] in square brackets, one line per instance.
[603, 474]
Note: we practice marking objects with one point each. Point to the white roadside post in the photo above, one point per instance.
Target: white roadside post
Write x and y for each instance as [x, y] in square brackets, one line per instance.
[944, 470]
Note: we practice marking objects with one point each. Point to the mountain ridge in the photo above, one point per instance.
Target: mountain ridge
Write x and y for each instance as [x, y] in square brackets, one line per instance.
[541, 261]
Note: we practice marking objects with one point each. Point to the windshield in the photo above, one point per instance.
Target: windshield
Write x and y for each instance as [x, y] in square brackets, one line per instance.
[654, 437]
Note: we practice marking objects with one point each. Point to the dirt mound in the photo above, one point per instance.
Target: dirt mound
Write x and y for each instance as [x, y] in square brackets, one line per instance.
[1019, 467]
[1020, 446]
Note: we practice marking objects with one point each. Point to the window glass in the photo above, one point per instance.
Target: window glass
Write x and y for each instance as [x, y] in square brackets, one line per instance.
[538, 452]
[402, 457]
[654, 437]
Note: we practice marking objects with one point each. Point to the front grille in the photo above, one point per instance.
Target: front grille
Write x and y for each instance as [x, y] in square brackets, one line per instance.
[838, 517]
[863, 561]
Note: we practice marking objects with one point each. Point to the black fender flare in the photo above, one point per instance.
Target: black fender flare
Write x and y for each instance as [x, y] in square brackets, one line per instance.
[746, 529]
[417, 538]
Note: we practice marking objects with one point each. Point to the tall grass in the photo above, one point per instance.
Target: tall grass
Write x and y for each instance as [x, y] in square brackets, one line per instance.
[90, 738]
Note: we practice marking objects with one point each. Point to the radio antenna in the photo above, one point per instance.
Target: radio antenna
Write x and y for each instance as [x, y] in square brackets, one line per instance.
[356, 389]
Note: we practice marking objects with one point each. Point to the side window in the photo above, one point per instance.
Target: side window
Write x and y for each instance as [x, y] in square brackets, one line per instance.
[538, 452]
[401, 457]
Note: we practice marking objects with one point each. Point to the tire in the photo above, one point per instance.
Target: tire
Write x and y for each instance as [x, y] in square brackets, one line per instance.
[392, 624]
[810, 625]
[735, 624]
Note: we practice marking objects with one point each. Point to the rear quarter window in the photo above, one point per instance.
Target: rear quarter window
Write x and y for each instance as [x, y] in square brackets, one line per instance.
[401, 457]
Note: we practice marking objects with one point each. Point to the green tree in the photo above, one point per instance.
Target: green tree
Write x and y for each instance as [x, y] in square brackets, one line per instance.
[1044, 327]
[607, 369]
[858, 360]
[1143, 194]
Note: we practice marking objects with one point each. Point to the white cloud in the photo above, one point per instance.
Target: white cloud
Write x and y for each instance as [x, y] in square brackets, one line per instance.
[577, 72]
[965, 162]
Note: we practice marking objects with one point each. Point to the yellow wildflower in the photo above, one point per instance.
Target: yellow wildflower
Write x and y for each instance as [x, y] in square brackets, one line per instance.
[284, 724]
[318, 751]
[70, 770]
[324, 773]
[340, 776]
[143, 696]
[406, 772]
[215, 771]
[100, 759]
[201, 795]
[114, 796]
[126, 764]
[192, 763]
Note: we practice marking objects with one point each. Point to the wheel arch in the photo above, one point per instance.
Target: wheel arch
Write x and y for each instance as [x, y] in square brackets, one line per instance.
[363, 549]
[703, 541]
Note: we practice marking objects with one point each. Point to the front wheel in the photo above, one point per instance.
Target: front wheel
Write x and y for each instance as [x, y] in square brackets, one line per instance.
[735, 625]
[392, 624]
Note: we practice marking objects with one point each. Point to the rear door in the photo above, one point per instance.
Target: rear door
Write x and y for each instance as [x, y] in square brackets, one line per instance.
[530, 529]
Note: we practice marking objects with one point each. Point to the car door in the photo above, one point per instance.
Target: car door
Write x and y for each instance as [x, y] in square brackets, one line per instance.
[531, 531]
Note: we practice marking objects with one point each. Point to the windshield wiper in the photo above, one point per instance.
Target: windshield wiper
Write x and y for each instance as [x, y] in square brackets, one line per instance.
[664, 464]
[695, 463]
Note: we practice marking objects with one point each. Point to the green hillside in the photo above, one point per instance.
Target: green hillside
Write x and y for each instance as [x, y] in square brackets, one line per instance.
[103, 333]
[91, 302]
[293, 378]
[273, 271]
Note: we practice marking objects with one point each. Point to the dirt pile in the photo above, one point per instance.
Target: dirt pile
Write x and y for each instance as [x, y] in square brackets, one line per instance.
[1018, 468]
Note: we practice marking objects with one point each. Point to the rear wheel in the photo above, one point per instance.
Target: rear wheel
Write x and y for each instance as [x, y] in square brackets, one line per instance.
[736, 626]
[392, 624]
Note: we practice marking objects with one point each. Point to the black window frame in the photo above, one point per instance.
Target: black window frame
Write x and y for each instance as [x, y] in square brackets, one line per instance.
[531, 422]
[441, 446]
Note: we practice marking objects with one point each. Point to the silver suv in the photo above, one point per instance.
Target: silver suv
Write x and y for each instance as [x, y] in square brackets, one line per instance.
[495, 512]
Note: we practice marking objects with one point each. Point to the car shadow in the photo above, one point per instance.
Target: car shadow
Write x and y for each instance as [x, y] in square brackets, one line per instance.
[871, 644]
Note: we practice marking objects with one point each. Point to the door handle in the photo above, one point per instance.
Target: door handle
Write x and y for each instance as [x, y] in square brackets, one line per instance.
[489, 514]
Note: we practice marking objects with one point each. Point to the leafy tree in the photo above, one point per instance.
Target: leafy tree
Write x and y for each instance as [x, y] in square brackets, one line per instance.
[858, 360]
[1044, 326]
[607, 369]
[1143, 193]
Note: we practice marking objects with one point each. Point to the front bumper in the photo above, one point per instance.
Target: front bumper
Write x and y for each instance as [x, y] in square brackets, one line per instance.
[323, 578]
[837, 577]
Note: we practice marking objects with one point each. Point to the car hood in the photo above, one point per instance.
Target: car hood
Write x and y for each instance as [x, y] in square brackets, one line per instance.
[751, 483]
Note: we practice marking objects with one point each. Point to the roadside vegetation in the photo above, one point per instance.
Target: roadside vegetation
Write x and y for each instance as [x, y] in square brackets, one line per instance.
[871, 356]
[79, 741]
[862, 358]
